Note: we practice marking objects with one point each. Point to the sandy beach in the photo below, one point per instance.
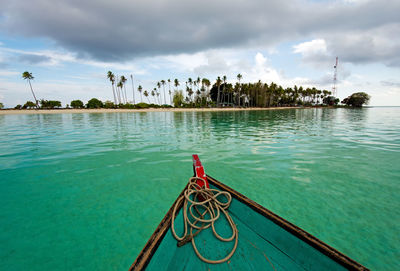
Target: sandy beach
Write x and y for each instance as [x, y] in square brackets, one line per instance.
[104, 110]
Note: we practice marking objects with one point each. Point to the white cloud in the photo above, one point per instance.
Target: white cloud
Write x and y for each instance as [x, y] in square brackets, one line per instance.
[262, 70]
[314, 53]
[260, 60]
[316, 46]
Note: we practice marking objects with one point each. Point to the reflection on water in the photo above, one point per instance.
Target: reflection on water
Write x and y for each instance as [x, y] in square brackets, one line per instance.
[67, 179]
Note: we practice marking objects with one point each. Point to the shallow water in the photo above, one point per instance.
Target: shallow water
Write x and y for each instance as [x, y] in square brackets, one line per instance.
[86, 191]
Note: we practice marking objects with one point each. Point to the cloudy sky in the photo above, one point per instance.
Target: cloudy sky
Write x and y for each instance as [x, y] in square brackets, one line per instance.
[70, 45]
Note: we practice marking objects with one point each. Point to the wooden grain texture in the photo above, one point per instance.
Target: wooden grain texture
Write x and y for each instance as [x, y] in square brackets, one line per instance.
[293, 229]
[266, 242]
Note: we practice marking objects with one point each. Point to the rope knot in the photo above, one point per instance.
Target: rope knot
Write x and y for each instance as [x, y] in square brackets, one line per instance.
[205, 201]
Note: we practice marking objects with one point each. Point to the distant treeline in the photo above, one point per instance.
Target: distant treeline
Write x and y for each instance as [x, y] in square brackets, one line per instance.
[200, 93]
[78, 104]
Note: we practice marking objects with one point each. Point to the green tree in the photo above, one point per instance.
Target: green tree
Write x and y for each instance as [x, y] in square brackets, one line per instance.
[28, 76]
[223, 88]
[153, 93]
[189, 89]
[159, 87]
[29, 105]
[357, 99]
[239, 77]
[111, 77]
[207, 84]
[146, 94]
[163, 85]
[140, 91]
[218, 86]
[1, 105]
[18, 106]
[330, 100]
[169, 91]
[94, 103]
[123, 81]
[158, 97]
[120, 92]
[178, 98]
[50, 104]
[109, 104]
[176, 84]
[77, 104]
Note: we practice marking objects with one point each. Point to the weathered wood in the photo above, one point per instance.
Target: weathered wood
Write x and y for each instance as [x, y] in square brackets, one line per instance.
[266, 241]
[293, 229]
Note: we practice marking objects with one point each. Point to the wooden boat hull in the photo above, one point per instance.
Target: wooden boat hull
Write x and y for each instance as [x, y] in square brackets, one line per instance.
[266, 242]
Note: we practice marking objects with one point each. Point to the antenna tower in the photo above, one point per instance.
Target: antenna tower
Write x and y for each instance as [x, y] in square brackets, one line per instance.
[334, 89]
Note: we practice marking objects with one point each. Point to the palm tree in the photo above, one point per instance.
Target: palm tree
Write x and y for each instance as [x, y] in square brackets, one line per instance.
[198, 82]
[146, 94]
[117, 92]
[120, 85]
[176, 84]
[133, 90]
[123, 80]
[273, 88]
[28, 76]
[223, 89]
[153, 93]
[203, 87]
[218, 85]
[190, 82]
[163, 84]
[169, 91]
[207, 83]
[140, 91]
[239, 77]
[111, 77]
[319, 92]
[187, 92]
[202, 93]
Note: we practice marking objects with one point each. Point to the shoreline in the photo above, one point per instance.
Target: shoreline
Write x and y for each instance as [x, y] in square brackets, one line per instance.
[104, 110]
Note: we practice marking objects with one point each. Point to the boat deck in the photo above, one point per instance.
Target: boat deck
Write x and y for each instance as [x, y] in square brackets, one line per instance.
[266, 242]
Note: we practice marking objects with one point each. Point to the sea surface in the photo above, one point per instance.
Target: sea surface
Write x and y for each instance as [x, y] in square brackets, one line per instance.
[86, 191]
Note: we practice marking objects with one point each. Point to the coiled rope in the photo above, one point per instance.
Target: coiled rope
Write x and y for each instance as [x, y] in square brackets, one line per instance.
[207, 199]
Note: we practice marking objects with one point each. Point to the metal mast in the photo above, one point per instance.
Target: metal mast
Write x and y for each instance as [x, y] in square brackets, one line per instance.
[334, 89]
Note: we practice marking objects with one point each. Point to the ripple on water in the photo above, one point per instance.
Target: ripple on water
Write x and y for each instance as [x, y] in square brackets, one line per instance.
[85, 191]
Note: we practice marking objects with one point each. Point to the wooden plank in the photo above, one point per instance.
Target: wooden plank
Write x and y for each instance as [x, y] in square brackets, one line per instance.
[258, 247]
[294, 250]
[251, 253]
[293, 229]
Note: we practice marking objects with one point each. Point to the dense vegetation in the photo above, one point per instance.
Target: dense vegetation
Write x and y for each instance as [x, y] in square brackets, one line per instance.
[201, 93]
[357, 99]
[94, 103]
[77, 104]
[49, 104]
[29, 105]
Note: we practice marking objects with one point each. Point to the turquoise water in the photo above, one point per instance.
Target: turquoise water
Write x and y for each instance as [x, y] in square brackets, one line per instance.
[86, 191]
